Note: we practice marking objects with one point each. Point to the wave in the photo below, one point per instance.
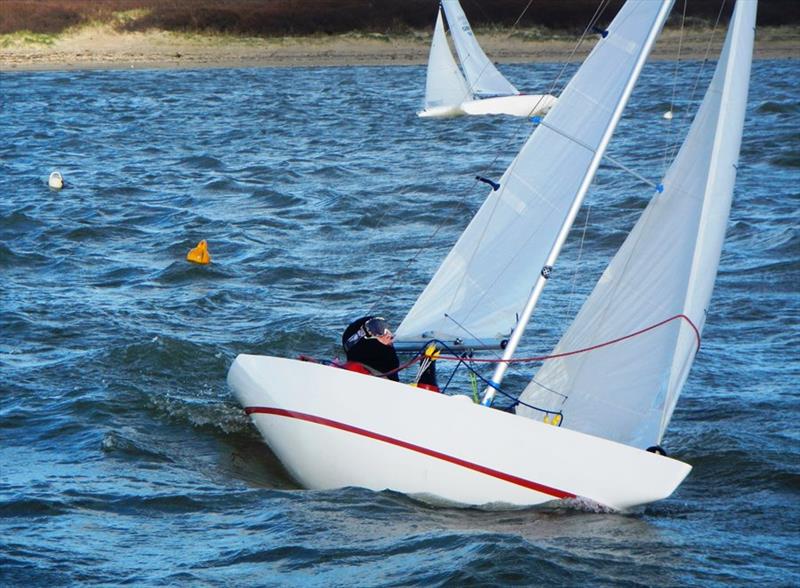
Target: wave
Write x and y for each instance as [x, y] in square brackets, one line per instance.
[202, 162]
[773, 107]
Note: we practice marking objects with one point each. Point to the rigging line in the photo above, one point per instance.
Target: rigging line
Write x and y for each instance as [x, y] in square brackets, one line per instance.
[670, 127]
[578, 262]
[480, 7]
[405, 269]
[519, 18]
[635, 174]
[586, 349]
[468, 332]
[689, 116]
[479, 340]
[592, 22]
[613, 160]
[464, 361]
[565, 397]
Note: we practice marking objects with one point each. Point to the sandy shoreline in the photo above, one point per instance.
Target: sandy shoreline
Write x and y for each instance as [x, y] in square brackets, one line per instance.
[102, 48]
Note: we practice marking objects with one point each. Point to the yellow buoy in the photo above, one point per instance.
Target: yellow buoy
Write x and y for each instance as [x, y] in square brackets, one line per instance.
[199, 254]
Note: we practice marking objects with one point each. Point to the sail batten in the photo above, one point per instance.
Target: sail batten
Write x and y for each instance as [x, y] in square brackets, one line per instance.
[666, 266]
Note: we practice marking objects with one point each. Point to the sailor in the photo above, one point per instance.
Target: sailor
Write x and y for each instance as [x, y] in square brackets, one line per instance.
[369, 342]
[369, 346]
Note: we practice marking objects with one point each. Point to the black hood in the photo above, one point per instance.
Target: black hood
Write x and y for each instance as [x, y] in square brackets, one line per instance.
[370, 352]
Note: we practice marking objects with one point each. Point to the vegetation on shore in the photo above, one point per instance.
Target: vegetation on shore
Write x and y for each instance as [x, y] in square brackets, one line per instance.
[42, 18]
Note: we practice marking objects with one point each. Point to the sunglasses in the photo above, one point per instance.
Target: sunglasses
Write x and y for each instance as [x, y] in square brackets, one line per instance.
[374, 328]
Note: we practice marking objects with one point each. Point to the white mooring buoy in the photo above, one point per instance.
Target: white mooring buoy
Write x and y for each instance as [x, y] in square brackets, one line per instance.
[56, 182]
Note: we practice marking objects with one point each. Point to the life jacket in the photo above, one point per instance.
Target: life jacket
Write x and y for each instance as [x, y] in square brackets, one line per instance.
[355, 366]
[431, 387]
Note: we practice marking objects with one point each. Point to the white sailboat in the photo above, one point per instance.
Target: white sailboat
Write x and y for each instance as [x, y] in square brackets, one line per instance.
[481, 88]
[623, 360]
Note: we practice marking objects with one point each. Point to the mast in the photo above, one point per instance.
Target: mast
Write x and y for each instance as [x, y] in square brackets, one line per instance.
[545, 272]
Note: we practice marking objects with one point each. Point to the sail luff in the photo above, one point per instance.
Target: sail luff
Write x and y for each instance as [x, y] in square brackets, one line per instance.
[577, 202]
[737, 56]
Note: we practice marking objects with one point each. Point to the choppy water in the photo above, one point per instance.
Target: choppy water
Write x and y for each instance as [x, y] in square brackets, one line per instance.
[124, 458]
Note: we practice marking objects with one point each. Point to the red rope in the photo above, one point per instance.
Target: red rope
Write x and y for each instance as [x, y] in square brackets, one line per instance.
[400, 368]
[585, 349]
[403, 366]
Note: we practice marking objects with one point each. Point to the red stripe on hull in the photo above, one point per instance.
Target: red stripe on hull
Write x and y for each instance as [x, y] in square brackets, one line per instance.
[556, 493]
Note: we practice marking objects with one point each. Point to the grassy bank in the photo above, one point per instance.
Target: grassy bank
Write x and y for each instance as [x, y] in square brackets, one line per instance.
[116, 39]
[266, 18]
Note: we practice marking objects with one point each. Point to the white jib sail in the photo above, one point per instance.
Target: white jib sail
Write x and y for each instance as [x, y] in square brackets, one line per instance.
[627, 391]
[486, 278]
[444, 86]
[482, 75]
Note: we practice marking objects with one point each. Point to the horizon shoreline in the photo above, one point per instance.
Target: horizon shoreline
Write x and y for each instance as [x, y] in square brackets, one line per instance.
[101, 47]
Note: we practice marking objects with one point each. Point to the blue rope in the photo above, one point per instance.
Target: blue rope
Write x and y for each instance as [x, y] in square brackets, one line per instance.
[462, 361]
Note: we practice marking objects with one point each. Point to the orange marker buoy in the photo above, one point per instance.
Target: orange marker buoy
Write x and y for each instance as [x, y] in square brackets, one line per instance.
[199, 254]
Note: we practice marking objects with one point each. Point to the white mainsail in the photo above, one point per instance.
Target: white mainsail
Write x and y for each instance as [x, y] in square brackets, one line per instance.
[485, 280]
[445, 86]
[666, 267]
[482, 75]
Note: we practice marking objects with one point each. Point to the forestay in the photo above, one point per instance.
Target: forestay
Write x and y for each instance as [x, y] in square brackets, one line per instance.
[445, 85]
[486, 278]
[482, 75]
[666, 267]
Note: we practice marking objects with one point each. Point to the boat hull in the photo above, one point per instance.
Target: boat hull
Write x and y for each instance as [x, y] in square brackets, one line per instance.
[332, 428]
[519, 105]
[442, 112]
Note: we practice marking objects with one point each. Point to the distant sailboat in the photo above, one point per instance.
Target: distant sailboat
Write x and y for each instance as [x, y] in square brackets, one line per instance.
[481, 88]
[589, 423]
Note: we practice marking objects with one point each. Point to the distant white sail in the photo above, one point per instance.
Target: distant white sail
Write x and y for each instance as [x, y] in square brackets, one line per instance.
[487, 276]
[445, 86]
[481, 74]
[666, 267]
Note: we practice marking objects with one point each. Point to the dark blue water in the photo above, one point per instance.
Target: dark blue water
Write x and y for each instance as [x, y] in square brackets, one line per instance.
[124, 458]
